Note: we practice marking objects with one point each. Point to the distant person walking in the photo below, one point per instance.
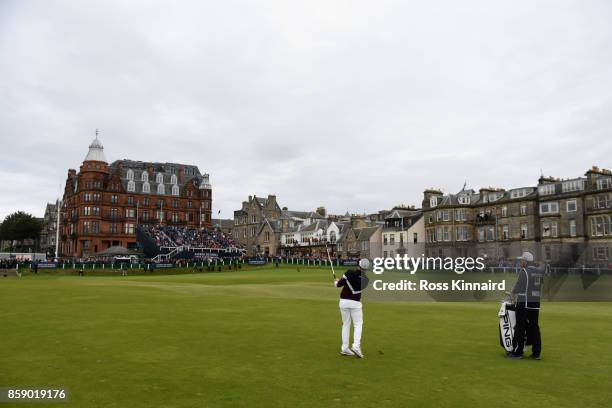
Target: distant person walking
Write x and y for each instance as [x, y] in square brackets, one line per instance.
[352, 283]
[527, 290]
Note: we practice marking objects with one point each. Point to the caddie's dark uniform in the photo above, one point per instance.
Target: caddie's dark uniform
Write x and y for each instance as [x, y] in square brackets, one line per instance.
[528, 289]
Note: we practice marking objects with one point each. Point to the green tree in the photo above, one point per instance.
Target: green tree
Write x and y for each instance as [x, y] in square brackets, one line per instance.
[19, 226]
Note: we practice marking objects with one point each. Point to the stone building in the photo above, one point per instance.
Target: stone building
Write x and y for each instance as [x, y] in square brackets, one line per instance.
[564, 222]
[403, 232]
[103, 203]
[256, 225]
[48, 234]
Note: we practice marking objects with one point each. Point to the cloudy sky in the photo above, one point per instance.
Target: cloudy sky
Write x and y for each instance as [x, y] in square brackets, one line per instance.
[352, 105]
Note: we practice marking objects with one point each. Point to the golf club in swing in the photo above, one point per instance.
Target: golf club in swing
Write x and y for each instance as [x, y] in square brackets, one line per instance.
[330, 261]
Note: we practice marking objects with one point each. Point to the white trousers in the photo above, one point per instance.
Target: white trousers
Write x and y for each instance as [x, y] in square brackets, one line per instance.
[351, 310]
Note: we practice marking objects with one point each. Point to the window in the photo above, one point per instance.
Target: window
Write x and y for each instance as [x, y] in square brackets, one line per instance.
[547, 254]
[601, 253]
[252, 231]
[490, 233]
[161, 189]
[523, 209]
[130, 175]
[130, 200]
[572, 228]
[461, 214]
[546, 189]
[173, 179]
[505, 232]
[131, 186]
[144, 177]
[145, 201]
[551, 207]
[175, 217]
[332, 236]
[520, 193]
[392, 239]
[604, 183]
[445, 215]
[601, 225]
[146, 187]
[601, 201]
[159, 179]
[160, 215]
[571, 206]
[112, 228]
[415, 237]
[385, 239]
[430, 219]
[129, 213]
[175, 189]
[572, 185]
[462, 233]
[431, 235]
[433, 201]
[549, 229]
[129, 229]
[464, 199]
[267, 236]
[86, 227]
[114, 199]
[481, 234]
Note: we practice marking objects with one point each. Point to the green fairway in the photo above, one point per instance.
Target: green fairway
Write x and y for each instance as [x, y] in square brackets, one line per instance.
[267, 337]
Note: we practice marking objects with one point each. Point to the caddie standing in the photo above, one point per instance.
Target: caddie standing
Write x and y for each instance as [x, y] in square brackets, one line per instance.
[527, 290]
[352, 283]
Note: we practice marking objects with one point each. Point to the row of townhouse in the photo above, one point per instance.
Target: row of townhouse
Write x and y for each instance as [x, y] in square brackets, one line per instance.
[564, 222]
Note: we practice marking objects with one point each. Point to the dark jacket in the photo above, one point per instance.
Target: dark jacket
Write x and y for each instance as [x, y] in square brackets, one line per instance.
[353, 282]
[528, 287]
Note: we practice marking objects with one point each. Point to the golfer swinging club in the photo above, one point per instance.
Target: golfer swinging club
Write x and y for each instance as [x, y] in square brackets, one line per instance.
[352, 283]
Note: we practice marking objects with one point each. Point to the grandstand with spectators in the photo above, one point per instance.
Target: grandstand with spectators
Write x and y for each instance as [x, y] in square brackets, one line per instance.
[166, 242]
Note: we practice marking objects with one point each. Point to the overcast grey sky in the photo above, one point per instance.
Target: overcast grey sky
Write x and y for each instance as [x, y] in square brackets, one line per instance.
[352, 105]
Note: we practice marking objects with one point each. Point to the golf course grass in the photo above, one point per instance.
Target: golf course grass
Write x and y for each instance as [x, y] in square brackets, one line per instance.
[266, 337]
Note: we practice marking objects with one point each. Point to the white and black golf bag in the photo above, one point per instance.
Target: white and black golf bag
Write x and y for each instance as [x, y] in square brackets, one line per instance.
[507, 322]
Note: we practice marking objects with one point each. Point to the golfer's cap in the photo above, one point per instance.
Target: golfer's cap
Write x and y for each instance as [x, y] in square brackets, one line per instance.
[526, 256]
[364, 263]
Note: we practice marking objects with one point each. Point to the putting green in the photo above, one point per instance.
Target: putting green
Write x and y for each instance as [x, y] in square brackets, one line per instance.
[267, 337]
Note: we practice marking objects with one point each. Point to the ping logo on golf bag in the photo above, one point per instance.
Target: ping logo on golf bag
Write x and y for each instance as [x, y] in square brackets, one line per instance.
[507, 331]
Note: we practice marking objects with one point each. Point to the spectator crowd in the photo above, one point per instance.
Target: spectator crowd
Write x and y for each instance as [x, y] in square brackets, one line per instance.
[170, 236]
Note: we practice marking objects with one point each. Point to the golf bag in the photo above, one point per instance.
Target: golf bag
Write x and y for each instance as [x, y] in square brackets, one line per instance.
[507, 322]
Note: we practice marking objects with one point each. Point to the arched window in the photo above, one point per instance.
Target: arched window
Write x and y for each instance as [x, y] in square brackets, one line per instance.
[131, 185]
[144, 177]
[175, 190]
[130, 175]
[161, 189]
[159, 178]
[146, 187]
[173, 179]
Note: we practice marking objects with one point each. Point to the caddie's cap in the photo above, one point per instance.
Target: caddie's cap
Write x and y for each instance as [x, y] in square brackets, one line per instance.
[526, 256]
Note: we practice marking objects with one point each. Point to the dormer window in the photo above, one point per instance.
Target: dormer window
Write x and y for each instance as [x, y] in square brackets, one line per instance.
[131, 186]
[175, 190]
[464, 199]
[173, 179]
[130, 175]
[144, 177]
[161, 189]
[146, 187]
[433, 201]
[159, 179]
